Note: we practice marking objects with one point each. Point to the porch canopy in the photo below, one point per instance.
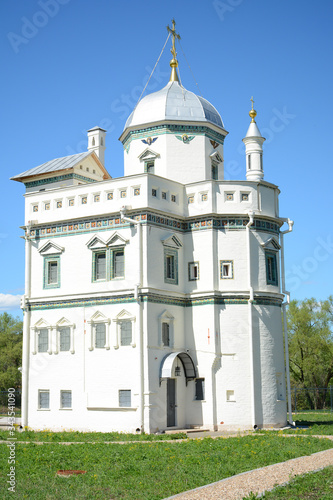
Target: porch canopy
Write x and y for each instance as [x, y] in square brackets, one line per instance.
[186, 361]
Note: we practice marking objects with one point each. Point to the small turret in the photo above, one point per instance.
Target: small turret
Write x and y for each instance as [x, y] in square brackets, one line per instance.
[253, 149]
[96, 142]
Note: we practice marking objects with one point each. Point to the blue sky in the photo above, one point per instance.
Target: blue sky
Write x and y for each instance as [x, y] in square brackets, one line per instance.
[69, 65]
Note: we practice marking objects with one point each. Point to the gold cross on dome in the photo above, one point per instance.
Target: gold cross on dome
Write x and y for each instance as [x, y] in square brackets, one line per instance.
[252, 100]
[174, 36]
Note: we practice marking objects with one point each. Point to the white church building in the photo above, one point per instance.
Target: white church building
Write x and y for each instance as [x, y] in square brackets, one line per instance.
[153, 301]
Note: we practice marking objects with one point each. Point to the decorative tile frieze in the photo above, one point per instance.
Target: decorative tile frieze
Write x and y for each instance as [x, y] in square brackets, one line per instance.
[155, 299]
[171, 129]
[218, 223]
[59, 178]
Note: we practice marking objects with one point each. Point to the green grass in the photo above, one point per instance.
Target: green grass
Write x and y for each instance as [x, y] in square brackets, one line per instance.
[86, 437]
[312, 486]
[144, 471]
[317, 423]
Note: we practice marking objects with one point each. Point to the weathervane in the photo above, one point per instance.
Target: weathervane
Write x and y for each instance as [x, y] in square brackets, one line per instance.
[173, 62]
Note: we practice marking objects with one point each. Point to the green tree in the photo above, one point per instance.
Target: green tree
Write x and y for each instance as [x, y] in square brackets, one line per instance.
[310, 336]
[10, 351]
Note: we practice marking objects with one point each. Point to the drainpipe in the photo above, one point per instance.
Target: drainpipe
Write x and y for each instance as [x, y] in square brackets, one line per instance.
[250, 318]
[284, 314]
[26, 327]
[137, 287]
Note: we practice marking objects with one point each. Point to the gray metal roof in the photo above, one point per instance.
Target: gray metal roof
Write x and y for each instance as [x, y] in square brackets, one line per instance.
[54, 165]
[173, 102]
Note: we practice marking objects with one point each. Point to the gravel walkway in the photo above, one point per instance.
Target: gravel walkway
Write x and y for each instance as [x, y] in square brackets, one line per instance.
[259, 480]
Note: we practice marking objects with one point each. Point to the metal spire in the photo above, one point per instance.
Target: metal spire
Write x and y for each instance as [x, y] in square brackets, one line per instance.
[173, 62]
[253, 112]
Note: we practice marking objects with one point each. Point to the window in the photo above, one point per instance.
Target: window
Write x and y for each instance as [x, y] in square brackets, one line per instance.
[108, 264]
[261, 165]
[125, 330]
[244, 196]
[123, 193]
[199, 389]
[125, 398]
[84, 200]
[166, 329]
[230, 396]
[99, 266]
[193, 271]
[118, 263]
[171, 266]
[150, 167]
[43, 340]
[249, 162]
[154, 192]
[271, 268]
[100, 335]
[136, 191]
[190, 199]
[215, 171]
[71, 202]
[229, 196]
[226, 270]
[65, 399]
[65, 338]
[109, 196]
[166, 334]
[173, 198]
[52, 272]
[43, 400]
[126, 333]
[97, 198]
[164, 195]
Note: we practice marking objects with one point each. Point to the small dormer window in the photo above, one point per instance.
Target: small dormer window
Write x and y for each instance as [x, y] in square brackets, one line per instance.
[150, 167]
[215, 171]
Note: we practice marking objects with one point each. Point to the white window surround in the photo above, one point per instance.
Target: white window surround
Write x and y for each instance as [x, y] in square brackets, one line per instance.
[125, 398]
[124, 316]
[148, 155]
[63, 322]
[216, 157]
[43, 401]
[95, 319]
[63, 394]
[166, 317]
[193, 271]
[40, 325]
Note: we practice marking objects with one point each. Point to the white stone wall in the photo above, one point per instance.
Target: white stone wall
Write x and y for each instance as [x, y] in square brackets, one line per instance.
[174, 159]
[217, 337]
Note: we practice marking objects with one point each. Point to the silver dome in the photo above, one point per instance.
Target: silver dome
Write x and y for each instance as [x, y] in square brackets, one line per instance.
[173, 102]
